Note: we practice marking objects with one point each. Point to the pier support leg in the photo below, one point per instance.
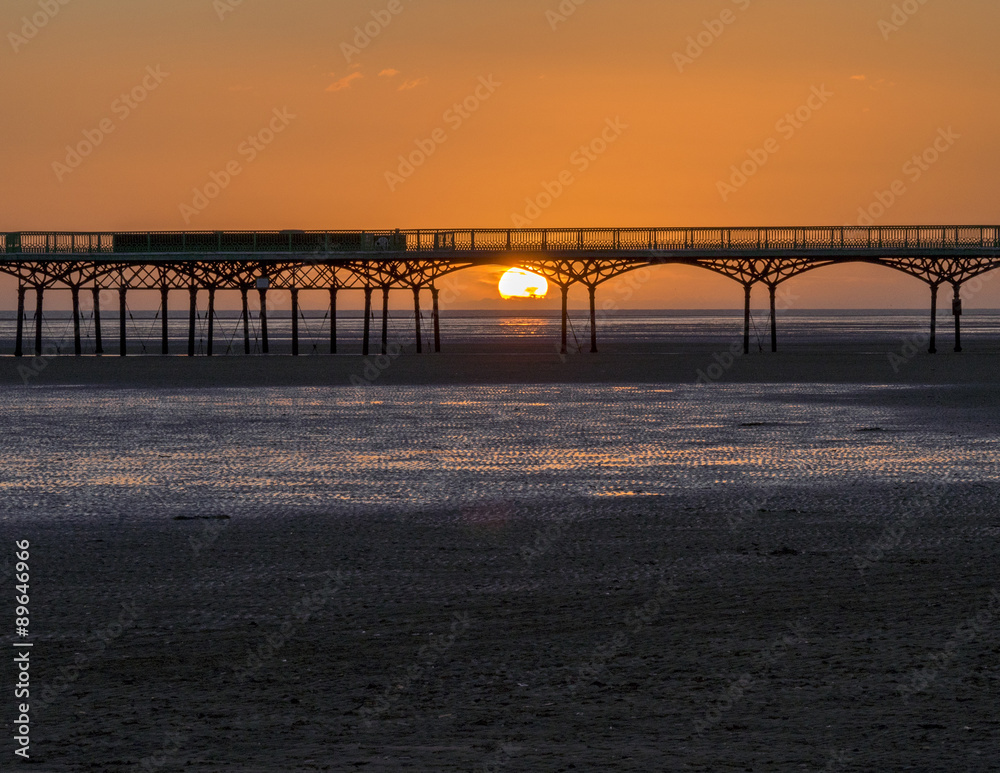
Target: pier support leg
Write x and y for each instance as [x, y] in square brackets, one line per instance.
[209, 346]
[264, 346]
[932, 348]
[77, 343]
[367, 321]
[774, 317]
[192, 319]
[122, 322]
[19, 340]
[746, 318]
[593, 319]
[437, 320]
[416, 317]
[956, 309]
[98, 338]
[165, 322]
[295, 321]
[333, 320]
[385, 320]
[565, 318]
[39, 292]
[246, 319]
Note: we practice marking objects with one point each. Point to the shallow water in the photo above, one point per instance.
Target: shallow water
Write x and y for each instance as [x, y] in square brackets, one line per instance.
[145, 453]
[487, 331]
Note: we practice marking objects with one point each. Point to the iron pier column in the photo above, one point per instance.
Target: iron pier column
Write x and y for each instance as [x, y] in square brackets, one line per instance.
[437, 319]
[246, 321]
[333, 320]
[263, 320]
[746, 318]
[165, 324]
[98, 340]
[39, 291]
[367, 321]
[19, 341]
[209, 347]
[416, 317]
[773, 288]
[956, 309]
[122, 314]
[932, 348]
[77, 343]
[192, 318]
[593, 319]
[565, 317]
[385, 319]
[295, 321]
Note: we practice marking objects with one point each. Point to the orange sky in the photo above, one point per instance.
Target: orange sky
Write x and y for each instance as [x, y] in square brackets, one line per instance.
[218, 73]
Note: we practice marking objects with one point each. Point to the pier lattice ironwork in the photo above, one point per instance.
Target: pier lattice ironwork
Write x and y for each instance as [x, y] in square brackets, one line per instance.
[413, 260]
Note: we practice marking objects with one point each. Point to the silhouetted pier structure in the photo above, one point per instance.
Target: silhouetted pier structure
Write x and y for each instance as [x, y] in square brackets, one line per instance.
[383, 261]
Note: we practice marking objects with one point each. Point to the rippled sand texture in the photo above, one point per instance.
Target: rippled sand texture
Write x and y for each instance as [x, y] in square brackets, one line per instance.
[512, 578]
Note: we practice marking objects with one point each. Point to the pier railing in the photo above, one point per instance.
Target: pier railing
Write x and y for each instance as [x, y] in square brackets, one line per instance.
[612, 240]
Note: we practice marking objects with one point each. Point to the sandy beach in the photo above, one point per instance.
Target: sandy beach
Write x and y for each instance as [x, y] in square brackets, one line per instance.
[476, 577]
[691, 365]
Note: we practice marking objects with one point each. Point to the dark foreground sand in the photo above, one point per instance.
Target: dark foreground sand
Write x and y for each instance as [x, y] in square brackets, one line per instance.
[689, 366]
[634, 635]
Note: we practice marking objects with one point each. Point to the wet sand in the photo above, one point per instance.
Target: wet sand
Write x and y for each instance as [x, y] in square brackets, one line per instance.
[689, 366]
[807, 624]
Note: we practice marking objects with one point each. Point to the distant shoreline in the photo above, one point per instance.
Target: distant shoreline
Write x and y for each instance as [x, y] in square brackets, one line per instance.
[544, 312]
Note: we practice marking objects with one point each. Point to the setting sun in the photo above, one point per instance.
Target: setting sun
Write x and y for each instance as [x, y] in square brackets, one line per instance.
[518, 283]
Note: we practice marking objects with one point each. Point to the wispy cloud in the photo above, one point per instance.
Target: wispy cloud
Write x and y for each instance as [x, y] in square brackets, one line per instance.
[412, 84]
[388, 73]
[859, 77]
[345, 82]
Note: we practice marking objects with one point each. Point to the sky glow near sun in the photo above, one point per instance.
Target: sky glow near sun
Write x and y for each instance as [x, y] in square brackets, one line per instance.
[738, 114]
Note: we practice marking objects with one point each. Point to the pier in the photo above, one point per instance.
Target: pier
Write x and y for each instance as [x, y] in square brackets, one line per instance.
[198, 265]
